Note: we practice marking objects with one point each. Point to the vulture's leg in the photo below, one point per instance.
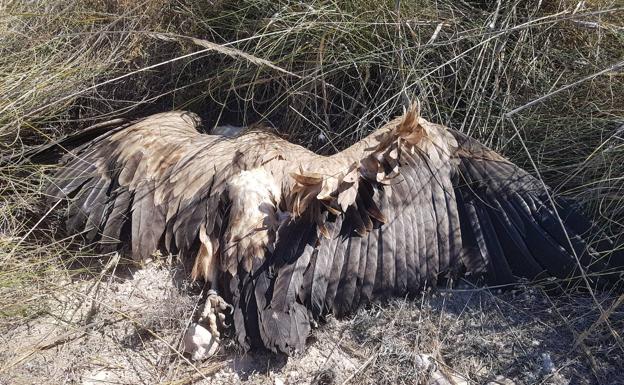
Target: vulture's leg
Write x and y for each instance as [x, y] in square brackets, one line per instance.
[202, 338]
[215, 313]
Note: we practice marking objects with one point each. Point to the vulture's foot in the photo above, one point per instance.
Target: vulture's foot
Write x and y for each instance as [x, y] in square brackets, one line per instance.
[202, 338]
[215, 313]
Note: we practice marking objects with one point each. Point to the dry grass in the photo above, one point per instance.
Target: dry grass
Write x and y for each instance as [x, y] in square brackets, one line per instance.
[540, 81]
[479, 335]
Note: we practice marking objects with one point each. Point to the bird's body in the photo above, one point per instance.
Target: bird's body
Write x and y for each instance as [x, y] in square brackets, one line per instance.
[287, 235]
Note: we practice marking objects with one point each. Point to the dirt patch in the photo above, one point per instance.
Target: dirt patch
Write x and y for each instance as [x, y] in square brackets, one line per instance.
[127, 329]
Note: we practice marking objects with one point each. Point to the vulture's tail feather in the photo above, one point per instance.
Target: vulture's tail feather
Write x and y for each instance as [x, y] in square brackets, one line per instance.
[245, 316]
[271, 293]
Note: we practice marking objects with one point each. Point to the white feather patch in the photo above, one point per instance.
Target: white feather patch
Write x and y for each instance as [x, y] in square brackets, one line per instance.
[254, 195]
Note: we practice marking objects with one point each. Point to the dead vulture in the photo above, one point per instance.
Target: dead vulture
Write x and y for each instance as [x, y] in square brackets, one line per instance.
[286, 236]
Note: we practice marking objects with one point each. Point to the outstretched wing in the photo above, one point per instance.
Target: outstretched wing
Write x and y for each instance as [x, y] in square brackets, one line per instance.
[156, 184]
[427, 203]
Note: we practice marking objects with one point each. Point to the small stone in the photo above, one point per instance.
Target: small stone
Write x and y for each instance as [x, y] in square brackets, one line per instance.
[100, 377]
[199, 342]
[424, 362]
[278, 381]
[547, 364]
[500, 380]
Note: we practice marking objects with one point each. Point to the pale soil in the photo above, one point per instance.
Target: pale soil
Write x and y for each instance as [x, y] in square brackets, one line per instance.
[126, 328]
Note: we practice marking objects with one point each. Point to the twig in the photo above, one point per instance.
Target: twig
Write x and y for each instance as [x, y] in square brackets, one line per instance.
[229, 51]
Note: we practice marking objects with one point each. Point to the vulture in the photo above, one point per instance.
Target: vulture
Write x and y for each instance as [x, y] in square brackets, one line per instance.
[286, 236]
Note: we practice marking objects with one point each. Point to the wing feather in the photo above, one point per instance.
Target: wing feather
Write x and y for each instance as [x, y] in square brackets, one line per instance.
[439, 173]
[386, 247]
[361, 273]
[320, 274]
[148, 222]
[348, 277]
[368, 284]
[514, 246]
[340, 252]
[431, 256]
[97, 205]
[400, 235]
[120, 201]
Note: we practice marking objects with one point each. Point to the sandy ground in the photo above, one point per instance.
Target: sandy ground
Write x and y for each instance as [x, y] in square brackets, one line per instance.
[126, 328]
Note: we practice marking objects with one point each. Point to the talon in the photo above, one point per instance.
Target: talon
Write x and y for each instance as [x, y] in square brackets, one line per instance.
[214, 314]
